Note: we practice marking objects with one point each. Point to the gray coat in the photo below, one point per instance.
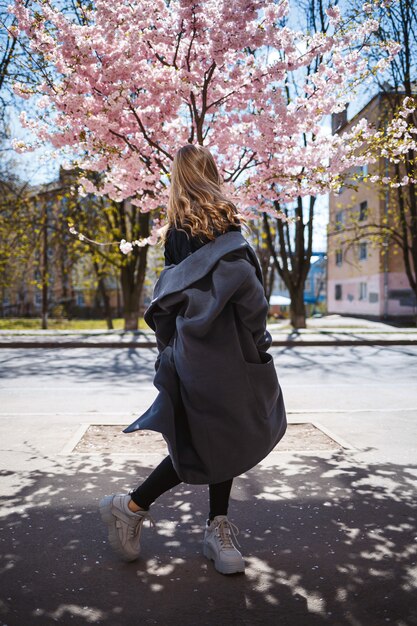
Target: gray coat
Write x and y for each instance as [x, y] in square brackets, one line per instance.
[219, 406]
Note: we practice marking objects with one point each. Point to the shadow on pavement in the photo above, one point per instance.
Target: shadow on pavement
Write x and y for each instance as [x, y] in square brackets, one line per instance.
[84, 365]
[89, 365]
[327, 542]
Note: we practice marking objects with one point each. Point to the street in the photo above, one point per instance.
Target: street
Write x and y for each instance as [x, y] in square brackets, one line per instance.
[329, 538]
[336, 386]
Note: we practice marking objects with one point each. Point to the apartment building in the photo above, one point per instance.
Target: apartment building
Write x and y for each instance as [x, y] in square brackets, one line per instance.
[364, 277]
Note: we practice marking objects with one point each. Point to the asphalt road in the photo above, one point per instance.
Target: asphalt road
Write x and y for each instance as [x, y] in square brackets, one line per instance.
[329, 539]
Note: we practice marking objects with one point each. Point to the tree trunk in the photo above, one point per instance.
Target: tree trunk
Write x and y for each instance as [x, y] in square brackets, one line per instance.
[101, 288]
[269, 285]
[132, 278]
[45, 267]
[131, 319]
[298, 309]
[106, 303]
[129, 291]
[293, 265]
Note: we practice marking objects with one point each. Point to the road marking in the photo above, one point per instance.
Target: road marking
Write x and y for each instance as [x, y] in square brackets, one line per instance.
[90, 414]
[96, 414]
[373, 410]
[329, 385]
[72, 389]
[85, 389]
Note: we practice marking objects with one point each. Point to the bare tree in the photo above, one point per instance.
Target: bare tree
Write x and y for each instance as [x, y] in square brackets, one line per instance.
[291, 242]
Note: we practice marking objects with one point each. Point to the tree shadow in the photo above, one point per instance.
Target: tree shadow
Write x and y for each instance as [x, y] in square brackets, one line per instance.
[80, 365]
[133, 365]
[353, 362]
[327, 542]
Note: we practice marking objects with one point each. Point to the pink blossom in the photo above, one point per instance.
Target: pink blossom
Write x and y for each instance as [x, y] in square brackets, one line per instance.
[125, 246]
[334, 15]
[125, 95]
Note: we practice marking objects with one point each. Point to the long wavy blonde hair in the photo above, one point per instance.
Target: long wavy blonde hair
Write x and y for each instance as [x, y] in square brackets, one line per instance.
[196, 203]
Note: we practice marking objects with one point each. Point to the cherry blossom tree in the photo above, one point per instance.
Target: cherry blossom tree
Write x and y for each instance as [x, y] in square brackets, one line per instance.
[129, 83]
[134, 81]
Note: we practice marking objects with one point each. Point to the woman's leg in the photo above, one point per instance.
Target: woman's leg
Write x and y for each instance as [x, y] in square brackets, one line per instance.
[123, 515]
[218, 543]
[163, 478]
[219, 498]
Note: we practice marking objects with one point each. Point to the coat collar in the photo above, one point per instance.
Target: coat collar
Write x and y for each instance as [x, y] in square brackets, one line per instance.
[178, 277]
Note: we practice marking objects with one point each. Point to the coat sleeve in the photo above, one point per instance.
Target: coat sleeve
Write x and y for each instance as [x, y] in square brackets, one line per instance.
[161, 318]
[252, 309]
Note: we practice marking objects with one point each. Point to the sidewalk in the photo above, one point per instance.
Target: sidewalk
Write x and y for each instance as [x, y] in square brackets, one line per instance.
[328, 540]
[326, 331]
[328, 536]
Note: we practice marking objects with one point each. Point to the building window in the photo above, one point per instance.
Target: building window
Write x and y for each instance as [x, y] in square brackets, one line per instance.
[340, 220]
[338, 292]
[363, 251]
[80, 299]
[38, 298]
[363, 291]
[363, 210]
[406, 297]
[339, 257]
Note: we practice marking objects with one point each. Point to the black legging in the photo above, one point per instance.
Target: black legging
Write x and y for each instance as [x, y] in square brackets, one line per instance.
[164, 477]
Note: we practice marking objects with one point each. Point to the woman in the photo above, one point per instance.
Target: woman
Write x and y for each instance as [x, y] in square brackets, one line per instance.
[219, 406]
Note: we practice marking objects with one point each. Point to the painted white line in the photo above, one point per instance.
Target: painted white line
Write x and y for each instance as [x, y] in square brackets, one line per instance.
[89, 414]
[135, 455]
[96, 414]
[392, 409]
[138, 387]
[330, 385]
[80, 388]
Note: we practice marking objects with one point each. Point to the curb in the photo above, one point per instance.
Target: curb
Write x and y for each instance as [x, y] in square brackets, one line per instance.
[151, 344]
[348, 342]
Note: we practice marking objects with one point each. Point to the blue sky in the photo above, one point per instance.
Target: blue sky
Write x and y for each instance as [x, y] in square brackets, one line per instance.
[38, 166]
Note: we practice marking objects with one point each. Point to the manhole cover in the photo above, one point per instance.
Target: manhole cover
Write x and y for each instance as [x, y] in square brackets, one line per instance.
[105, 439]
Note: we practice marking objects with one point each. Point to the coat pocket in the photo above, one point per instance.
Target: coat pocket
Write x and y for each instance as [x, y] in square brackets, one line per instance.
[263, 382]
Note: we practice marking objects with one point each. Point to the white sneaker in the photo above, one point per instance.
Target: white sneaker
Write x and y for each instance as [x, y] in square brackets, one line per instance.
[218, 546]
[124, 526]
